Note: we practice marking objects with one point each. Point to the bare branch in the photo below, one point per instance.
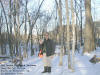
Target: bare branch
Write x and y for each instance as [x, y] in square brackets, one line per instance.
[33, 22]
[4, 15]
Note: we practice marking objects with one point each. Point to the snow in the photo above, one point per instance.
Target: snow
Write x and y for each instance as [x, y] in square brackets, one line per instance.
[34, 65]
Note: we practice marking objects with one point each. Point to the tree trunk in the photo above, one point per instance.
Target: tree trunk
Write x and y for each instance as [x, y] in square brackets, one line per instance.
[25, 55]
[32, 50]
[61, 32]
[10, 35]
[89, 42]
[68, 35]
[18, 30]
[81, 40]
[74, 37]
[25, 46]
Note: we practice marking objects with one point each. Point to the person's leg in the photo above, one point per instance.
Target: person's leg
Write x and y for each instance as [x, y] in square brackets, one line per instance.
[49, 64]
[45, 63]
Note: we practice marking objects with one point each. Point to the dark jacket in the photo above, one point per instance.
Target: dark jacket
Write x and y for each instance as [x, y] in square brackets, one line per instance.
[48, 47]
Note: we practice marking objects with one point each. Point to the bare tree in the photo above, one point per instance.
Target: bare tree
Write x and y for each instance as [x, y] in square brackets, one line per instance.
[81, 21]
[1, 23]
[74, 36]
[25, 28]
[4, 15]
[6, 21]
[89, 42]
[59, 8]
[68, 35]
[10, 23]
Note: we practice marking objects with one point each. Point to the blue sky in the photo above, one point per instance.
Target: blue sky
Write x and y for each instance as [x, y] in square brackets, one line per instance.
[96, 6]
[47, 5]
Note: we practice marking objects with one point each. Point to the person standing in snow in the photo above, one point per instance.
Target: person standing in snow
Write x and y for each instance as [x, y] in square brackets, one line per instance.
[48, 48]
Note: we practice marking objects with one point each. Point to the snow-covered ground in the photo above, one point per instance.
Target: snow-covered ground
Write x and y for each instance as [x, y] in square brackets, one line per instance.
[34, 66]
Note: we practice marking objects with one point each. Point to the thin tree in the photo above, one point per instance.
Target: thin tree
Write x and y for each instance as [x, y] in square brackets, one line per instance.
[10, 36]
[1, 24]
[74, 37]
[25, 28]
[6, 21]
[81, 22]
[68, 35]
[59, 8]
